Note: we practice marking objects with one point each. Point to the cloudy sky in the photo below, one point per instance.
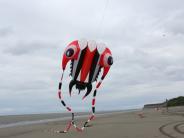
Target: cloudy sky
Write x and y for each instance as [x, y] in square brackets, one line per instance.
[146, 39]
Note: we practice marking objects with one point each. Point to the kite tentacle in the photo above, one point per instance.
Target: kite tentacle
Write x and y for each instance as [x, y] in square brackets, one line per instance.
[93, 104]
[72, 122]
[69, 124]
[60, 94]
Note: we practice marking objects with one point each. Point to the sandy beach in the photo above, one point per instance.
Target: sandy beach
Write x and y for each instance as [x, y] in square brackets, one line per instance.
[136, 124]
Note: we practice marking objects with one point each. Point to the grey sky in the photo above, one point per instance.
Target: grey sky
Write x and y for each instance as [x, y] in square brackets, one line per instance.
[146, 38]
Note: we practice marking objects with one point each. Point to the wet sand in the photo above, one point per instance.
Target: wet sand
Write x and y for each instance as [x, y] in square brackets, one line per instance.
[140, 124]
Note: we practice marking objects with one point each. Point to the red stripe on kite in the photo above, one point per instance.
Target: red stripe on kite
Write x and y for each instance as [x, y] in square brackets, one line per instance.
[78, 129]
[93, 102]
[98, 85]
[68, 108]
[68, 126]
[91, 117]
[59, 94]
[87, 62]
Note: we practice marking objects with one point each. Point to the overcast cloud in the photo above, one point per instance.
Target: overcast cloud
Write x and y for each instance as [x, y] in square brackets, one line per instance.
[146, 38]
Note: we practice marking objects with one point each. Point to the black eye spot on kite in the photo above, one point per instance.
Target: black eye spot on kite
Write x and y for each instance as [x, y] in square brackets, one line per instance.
[110, 60]
[70, 52]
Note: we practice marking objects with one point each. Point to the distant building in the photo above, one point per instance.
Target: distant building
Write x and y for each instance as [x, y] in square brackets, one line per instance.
[157, 105]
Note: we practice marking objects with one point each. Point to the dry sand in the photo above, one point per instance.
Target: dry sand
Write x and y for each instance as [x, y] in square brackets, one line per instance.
[141, 124]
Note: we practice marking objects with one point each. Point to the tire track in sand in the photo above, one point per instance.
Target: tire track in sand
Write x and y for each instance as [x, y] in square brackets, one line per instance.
[172, 129]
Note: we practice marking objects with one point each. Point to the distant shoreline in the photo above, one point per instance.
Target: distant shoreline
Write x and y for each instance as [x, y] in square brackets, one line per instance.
[29, 119]
[50, 113]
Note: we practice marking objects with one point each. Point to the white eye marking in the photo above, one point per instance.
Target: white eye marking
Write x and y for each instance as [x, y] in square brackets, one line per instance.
[70, 51]
[92, 45]
[101, 47]
[82, 43]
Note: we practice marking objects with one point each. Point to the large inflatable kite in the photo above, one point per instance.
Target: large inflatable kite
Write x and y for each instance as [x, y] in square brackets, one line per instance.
[87, 59]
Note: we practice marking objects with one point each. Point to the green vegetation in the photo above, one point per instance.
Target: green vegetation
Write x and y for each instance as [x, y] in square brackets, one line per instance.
[176, 101]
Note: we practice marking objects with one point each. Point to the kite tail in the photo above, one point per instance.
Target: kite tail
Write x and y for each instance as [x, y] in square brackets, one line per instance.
[60, 94]
[72, 122]
[93, 104]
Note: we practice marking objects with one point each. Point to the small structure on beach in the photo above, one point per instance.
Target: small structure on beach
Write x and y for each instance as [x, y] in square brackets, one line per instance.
[178, 101]
[157, 105]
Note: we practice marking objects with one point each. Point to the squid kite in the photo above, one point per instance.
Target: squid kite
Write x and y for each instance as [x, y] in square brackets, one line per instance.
[87, 58]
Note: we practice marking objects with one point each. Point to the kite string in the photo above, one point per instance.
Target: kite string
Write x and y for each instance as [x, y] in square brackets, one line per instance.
[99, 26]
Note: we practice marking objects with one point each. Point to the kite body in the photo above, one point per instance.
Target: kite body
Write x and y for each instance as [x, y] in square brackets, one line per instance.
[87, 60]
